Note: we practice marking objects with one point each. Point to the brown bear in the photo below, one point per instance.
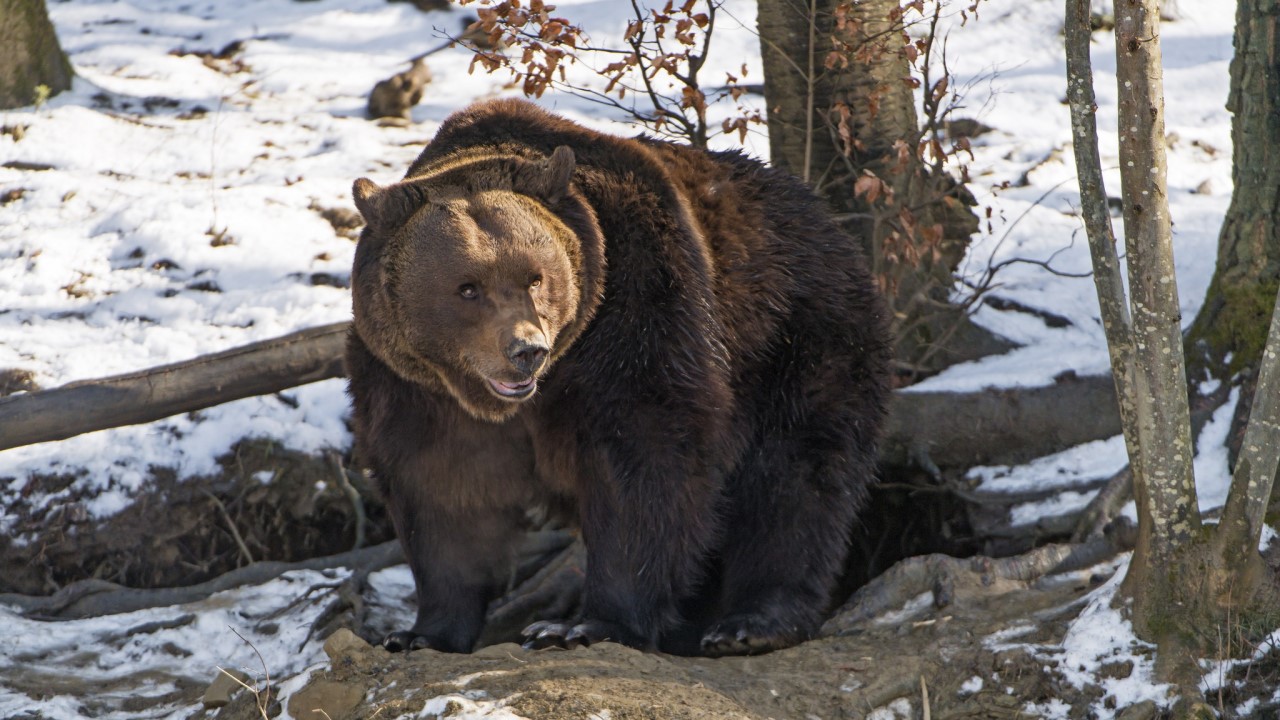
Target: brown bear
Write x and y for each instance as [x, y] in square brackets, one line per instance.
[679, 343]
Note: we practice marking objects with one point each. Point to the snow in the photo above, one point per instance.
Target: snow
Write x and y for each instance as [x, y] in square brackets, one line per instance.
[193, 229]
[899, 709]
[150, 652]
[465, 708]
[1073, 466]
[1102, 635]
[1213, 477]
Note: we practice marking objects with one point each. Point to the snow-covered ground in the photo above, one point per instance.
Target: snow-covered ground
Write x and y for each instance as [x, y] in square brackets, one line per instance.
[152, 237]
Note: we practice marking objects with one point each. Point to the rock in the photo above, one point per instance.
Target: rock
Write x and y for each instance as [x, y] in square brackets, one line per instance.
[223, 687]
[395, 96]
[1145, 710]
[325, 698]
[343, 643]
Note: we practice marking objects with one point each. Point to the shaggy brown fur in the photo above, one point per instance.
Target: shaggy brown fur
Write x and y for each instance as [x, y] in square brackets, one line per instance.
[680, 342]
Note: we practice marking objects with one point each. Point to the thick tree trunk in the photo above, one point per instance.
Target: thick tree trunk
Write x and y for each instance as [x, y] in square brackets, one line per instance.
[803, 96]
[839, 105]
[30, 56]
[1230, 330]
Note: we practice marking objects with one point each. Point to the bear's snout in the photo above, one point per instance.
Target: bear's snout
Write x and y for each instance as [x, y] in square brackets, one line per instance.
[527, 356]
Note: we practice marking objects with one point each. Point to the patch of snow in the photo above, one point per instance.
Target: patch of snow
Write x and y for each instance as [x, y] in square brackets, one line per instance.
[971, 686]
[913, 608]
[1213, 478]
[464, 708]
[1100, 636]
[899, 709]
[1071, 467]
[1000, 640]
[1063, 503]
[286, 689]
[1055, 709]
[1216, 671]
[1268, 536]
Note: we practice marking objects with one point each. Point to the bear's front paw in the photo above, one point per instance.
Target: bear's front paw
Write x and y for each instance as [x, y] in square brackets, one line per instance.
[750, 635]
[568, 635]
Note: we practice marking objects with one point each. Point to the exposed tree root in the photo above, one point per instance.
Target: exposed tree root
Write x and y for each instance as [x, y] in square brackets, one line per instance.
[1105, 506]
[953, 579]
[555, 590]
[91, 598]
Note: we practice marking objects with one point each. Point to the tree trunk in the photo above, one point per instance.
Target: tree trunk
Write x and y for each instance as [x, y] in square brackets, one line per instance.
[842, 115]
[1228, 334]
[1168, 514]
[30, 56]
[1188, 584]
[1233, 322]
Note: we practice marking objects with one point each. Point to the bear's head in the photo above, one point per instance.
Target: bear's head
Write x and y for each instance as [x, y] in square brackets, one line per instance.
[465, 279]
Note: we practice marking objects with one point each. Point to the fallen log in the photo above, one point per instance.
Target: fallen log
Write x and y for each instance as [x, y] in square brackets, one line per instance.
[998, 426]
[928, 429]
[261, 368]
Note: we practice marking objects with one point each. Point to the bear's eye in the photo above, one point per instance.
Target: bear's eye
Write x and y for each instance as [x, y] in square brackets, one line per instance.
[535, 283]
[469, 291]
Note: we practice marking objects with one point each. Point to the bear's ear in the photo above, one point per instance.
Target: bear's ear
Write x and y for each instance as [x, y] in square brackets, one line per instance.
[385, 208]
[365, 192]
[548, 179]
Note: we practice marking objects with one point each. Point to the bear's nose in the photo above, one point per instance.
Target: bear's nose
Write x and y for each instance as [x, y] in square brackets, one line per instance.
[527, 356]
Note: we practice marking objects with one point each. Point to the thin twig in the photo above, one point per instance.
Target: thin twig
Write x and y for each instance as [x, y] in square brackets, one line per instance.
[924, 700]
[262, 702]
[809, 80]
[235, 533]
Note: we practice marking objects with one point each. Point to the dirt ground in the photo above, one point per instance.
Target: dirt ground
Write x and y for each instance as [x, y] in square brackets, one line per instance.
[876, 669]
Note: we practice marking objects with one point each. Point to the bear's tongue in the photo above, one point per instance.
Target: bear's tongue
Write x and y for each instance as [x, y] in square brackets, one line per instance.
[506, 388]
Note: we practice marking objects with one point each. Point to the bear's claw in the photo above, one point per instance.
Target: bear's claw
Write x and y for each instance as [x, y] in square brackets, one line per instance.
[749, 635]
[565, 635]
[404, 641]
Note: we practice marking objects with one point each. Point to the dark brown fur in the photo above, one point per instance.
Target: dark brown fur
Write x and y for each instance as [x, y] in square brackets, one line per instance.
[716, 376]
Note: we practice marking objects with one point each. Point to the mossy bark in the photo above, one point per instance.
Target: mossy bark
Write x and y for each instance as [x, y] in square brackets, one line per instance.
[1228, 334]
[30, 56]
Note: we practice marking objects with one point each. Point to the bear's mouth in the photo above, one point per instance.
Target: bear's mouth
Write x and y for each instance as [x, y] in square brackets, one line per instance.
[514, 391]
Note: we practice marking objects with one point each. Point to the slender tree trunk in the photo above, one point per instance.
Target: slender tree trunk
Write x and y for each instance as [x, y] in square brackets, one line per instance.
[1163, 415]
[1116, 321]
[840, 105]
[30, 56]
